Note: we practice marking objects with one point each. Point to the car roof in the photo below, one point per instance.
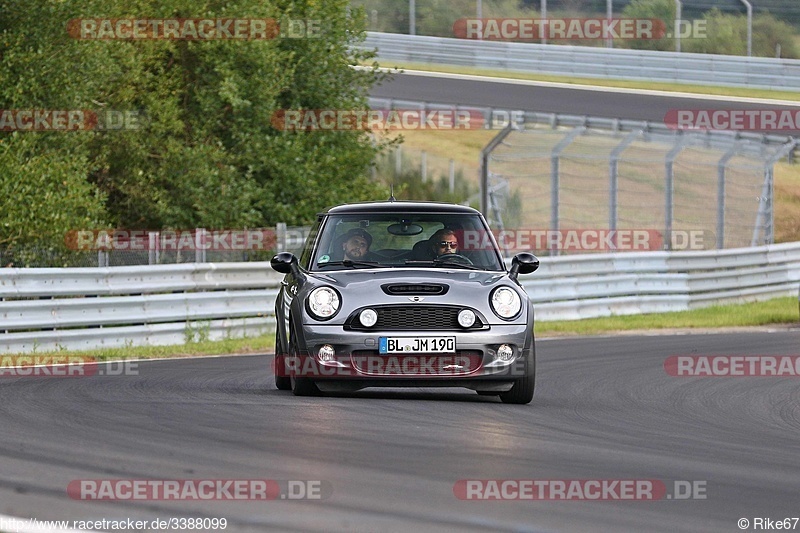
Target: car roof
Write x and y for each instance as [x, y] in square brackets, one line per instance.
[400, 206]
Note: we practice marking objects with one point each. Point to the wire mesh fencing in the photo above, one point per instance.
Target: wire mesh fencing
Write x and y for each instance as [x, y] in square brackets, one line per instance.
[573, 184]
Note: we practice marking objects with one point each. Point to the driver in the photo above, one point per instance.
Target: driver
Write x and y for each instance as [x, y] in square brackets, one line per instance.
[356, 245]
[444, 242]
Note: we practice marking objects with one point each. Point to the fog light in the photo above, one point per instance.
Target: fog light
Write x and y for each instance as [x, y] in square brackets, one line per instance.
[505, 353]
[368, 318]
[326, 354]
[466, 318]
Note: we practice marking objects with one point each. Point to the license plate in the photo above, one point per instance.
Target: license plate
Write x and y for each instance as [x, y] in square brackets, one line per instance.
[417, 345]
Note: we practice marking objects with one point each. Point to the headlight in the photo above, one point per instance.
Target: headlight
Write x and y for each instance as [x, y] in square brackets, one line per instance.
[505, 302]
[323, 303]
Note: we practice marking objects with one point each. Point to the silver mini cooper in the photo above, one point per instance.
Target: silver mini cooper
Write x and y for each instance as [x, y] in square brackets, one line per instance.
[404, 294]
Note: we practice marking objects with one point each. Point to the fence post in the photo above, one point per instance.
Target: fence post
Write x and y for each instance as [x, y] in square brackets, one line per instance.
[280, 237]
[424, 166]
[153, 247]
[723, 162]
[485, 154]
[555, 185]
[200, 245]
[452, 174]
[766, 214]
[613, 175]
[398, 161]
[669, 184]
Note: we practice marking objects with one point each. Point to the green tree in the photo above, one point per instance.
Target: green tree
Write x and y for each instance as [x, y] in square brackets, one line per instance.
[205, 153]
[662, 10]
[727, 34]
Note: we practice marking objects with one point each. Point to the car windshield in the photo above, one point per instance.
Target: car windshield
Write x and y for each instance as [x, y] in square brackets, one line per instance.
[430, 240]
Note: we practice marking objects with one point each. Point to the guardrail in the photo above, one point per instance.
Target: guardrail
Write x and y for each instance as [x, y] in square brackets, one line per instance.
[574, 287]
[589, 62]
[50, 309]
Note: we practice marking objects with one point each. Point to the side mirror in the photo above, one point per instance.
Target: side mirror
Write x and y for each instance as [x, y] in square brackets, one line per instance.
[523, 263]
[284, 262]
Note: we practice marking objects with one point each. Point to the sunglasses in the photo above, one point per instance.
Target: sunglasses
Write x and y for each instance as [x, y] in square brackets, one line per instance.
[445, 244]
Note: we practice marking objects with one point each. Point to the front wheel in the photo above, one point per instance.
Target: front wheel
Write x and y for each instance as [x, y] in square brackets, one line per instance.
[300, 386]
[304, 387]
[282, 380]
[522, 391]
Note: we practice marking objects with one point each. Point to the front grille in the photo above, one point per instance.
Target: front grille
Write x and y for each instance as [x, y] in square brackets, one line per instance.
[415, 317]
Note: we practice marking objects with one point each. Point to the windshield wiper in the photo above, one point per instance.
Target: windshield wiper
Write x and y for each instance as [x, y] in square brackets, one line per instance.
[351, 263]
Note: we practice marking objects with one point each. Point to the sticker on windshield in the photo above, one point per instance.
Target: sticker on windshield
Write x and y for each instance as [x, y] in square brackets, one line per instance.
[324, 259]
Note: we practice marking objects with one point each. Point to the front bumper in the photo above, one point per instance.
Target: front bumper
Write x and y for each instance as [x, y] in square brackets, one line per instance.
[357, 362]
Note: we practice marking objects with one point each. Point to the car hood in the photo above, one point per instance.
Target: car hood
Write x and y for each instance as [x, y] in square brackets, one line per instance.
[355, 278]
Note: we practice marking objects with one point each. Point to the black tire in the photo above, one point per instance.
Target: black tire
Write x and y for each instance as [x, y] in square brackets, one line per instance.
[282, 381]
[300, 386]
[522, 391]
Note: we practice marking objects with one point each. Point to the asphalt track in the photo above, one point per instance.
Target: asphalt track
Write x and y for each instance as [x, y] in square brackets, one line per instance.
[605, 408]
[558, 98]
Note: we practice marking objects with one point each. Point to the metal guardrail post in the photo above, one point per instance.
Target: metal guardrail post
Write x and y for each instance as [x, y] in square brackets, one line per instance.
[153, 247]
[555, 157]
[669, 186]
[200, 245]
[485, 154]
[613, 165]
[398, 161]
[544, 18]
[749, 7]
[766, 213]
[723, 162]
[280, 236]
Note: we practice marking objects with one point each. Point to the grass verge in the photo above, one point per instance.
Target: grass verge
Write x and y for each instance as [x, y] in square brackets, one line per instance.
[779, 311]
[250, 345]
